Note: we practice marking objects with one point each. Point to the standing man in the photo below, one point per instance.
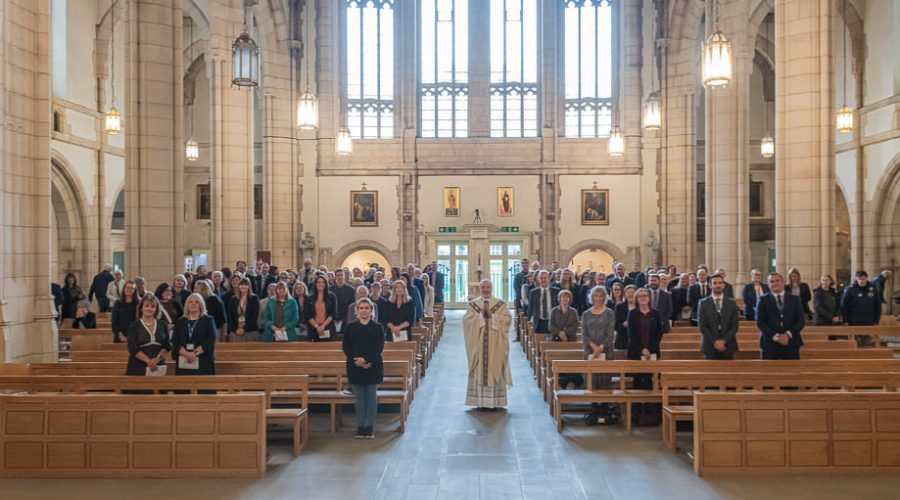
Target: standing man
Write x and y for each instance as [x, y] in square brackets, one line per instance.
[880, 284]
[437, 281]
[860, 305]
[729, 289]
[486, 327]
[697, 292]
[541, 300]
[752, 292]
[308, 274]
[99, 286]
[518, 280]
[661, 301]
[718, 322]
[619, 275]
[780, 319]
[345, 295]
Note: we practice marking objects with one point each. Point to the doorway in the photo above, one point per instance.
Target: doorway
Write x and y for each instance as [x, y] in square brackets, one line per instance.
[504, 262]
[453, 263]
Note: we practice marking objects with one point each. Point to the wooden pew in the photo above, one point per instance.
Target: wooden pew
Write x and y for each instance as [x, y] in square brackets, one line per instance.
[132, 436]
[624, 370]
[327, 379]
[292, 389]
[796, 433]
[679, 388]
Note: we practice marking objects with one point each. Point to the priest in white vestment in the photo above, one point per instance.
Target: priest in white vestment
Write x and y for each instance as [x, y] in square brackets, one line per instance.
[486, 327]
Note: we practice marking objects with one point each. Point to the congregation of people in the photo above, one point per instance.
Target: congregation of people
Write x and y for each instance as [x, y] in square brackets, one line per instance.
[633, 311]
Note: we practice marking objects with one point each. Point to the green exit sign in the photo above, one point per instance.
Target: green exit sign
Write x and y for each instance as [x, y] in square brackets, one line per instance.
[509, 229]
[447, 229]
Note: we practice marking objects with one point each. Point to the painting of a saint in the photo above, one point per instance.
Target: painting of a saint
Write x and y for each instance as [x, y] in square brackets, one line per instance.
[594, 207]
[451, 202]
[505, 202]
[363, 208]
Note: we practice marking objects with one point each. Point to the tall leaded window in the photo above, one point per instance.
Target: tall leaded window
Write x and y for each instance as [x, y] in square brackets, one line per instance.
[588, 63]
[514, 68]
[444, 78]
[370, 68]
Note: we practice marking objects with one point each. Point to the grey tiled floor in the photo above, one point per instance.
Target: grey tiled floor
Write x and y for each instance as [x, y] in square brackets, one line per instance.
[448, 452]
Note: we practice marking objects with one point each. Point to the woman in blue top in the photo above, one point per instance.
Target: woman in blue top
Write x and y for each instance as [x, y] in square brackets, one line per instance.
[281, 317]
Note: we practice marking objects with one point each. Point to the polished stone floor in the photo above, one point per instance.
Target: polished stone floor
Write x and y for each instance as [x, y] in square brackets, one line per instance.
[448, 452]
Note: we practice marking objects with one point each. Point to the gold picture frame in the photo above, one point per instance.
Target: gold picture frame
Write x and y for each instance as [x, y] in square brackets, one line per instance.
[452, 202]
[594, 207]
[506, 202]
[204, 202]
[363, 208]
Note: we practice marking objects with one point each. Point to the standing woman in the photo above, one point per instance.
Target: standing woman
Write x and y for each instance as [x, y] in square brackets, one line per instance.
[429, 295]
[148, 340]
[623, 310]
[169, 308]
[564, 319]
[214, 306]
[125, 311]
[181, 291]
[321, 307]
[363, 344]
[826, 303]
[644, 335]
[617, 295]
[598, 333]
[300, 292]
[796, 286]
[194, 339]
[281, 316]
[242, 311]
[400, 313]
[681, 307]
[72, 294]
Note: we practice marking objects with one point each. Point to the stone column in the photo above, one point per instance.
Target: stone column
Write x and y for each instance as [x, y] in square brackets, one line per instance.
[727, 163]
[804, 114]
[549, 190]
[154, 215]
[27, 332]
[231, 159]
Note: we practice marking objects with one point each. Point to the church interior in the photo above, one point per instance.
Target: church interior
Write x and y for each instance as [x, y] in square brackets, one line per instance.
[185, 150]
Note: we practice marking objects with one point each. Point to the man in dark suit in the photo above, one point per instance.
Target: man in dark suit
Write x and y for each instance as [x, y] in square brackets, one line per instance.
[541, 300]
[880, 284]
[752, 292]
[697, 292]
[729, 289]
[661, 301]
[618, 275]
[520, 279]
[436, 278]
[719, 322]
[780, 319]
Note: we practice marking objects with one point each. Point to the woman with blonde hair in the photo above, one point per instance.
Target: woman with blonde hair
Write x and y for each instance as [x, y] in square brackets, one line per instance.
[243, 312]
[281, 317]
[194, 339]
[148, 340]
[429, 295]
[214, 306]
[399, 314]
[796, 286]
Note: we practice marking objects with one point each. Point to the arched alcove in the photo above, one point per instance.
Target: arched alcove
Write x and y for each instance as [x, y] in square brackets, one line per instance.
[69, 224]
[360, 250]
[842, 237]
[363, 259]
[598, 255]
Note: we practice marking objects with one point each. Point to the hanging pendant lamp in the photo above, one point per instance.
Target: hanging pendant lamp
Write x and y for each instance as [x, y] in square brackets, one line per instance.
[717, 56]
[844, 119]
[307, 104]
[343, 142]
[245, 56]
[112, 118]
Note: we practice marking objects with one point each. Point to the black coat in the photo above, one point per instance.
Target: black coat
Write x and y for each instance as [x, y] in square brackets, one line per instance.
[621, 311]
[139, 341]
[204, 335]
[679, 302]
[750, 298]
[397, 316]
[123, 315]
[825, 306]
[860, 305]
[345, 295]
[89, 321]
[805, 297]
[771, 321]
[365, 341]
[251, 314]
[216, 309]
[635, 338]
[71, 297]
[309, 313]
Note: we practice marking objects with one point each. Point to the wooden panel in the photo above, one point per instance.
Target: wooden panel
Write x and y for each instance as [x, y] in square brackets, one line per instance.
[721, 421]
[827, 432]
[133, 435]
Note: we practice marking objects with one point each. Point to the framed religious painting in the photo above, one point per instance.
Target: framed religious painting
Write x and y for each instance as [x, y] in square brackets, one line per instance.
[756, 199]
[451, 202]
[364, 208]
[505, 202]
[204, 202]
[594, 207]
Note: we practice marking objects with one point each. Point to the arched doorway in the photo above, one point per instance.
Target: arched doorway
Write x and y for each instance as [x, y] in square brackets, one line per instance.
[363, 259]
[117, 232]
[594, 259]
[842, 238]
[69, 227]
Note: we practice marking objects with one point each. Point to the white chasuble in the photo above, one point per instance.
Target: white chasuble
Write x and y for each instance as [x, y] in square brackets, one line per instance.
[486, 328]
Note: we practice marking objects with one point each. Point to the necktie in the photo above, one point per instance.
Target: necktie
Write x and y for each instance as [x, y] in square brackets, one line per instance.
[702, 290]
[544, 296]
[780, 302]
[655, 297]
[719, 305]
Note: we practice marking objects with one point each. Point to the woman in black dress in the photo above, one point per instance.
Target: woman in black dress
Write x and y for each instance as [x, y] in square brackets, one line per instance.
[363, 344]
[148, 340]
[125, 312]
[194, 339]
[644, 335]
[169, 308]
[72, 295]
[623, 310]
[214, 306]
[826, 304]
[400, 313]
[242, 310]
[796, 286]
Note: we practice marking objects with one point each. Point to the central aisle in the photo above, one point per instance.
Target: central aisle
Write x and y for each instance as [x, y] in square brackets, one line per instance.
[451, 453]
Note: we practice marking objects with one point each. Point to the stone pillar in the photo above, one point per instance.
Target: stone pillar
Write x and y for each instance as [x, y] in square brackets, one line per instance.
[549, 190]
[804, 114]
[727, 163]
[102, 52]
[154, 180]
[231, 160]
[408, 194]
[27, 331]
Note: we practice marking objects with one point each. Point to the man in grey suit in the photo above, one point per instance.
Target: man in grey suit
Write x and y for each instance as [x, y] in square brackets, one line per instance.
[719, 321]
[661, 301]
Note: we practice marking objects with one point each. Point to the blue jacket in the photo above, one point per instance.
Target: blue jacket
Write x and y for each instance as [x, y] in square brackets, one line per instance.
[750, 298]
[772, 321]
[861, 305]
[437, 281]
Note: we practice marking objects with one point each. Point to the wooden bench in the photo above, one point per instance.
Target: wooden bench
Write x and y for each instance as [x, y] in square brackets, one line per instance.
[679, 388]
[796, 433]
[132, 436]
[624, 370]
[285, 388]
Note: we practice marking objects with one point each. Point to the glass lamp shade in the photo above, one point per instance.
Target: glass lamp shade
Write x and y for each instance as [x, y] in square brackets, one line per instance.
[845, 119]
[113, 121]
[343, 143]
[307, 111]
[767, 146]
[616, 144]
[717, 60]
[191, 150]
[652, 112]
[245, 62]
